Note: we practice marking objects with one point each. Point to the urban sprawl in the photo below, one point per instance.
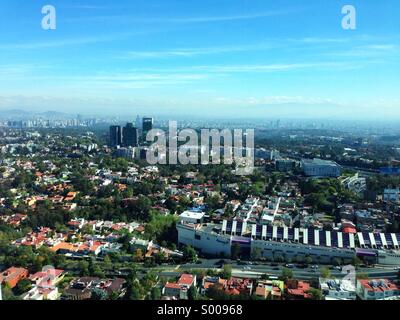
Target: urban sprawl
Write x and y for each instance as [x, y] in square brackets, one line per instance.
[84, 216]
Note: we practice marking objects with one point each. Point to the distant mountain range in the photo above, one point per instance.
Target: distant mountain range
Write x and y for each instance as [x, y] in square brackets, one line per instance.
[23, 114]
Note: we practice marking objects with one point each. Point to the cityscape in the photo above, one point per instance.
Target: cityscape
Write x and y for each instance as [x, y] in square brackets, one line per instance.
[101, 198]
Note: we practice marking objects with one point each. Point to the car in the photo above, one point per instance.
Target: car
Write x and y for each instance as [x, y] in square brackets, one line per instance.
[396, 268]
[289, 265]
[219, 262]
[314, 266]
[274, 264]
[199, 262]
[275, 268]
[246, 268]
[338, 268]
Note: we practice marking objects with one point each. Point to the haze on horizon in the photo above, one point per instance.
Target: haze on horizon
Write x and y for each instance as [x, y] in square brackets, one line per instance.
[210, 58]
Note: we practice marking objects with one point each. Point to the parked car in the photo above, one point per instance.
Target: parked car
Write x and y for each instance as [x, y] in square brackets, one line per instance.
[289, 265]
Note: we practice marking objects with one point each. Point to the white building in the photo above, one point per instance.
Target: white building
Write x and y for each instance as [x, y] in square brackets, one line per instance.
[320, 168]
[191, 217]
[338, 289]
[392, 195]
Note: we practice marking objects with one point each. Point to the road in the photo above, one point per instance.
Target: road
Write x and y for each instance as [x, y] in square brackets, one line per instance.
[255, 271]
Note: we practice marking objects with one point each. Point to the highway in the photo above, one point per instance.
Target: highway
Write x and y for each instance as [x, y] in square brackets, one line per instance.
[252, 270]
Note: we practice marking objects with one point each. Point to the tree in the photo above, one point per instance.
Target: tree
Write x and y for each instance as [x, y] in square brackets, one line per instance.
[256, 253]
[309, 260]
[192, 293]
[138, 255]
[356, 261]
[107, 262]
[325, 272]
[83, 266]
[189, 254]
[7, 293]
[287, 273]
[99, 294]
[155, 293]
[216, 292]
[23, 286]
[227, 271]
[316, 294]
[362, 275]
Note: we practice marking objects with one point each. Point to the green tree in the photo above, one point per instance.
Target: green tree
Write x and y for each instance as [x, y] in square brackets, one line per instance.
[227, 271]
[155, 293]
[287, 273]
[325, 272]
[99, 294]
[362, 275]
[192, 293]
[23, 286]
[316, 294]
[309, 260]
[189, 254]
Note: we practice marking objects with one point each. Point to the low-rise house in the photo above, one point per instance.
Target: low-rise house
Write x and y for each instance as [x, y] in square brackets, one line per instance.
[297, 290]
[180, 289]
[13, 275]
[337, 289]
[41, 293]
[47, 278]
[269, 289]
[209, 281]
[377, 289]
[237, 286]
[82, 288]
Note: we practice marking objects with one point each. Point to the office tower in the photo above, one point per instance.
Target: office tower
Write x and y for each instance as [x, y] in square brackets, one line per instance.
[138, 123]
[147, 125]
[130, 136]
[115, 136]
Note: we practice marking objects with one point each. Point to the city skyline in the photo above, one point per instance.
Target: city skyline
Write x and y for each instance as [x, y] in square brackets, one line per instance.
[226, 59]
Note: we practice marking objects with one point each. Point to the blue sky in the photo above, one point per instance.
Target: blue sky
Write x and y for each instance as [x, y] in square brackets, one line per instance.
[233, 58]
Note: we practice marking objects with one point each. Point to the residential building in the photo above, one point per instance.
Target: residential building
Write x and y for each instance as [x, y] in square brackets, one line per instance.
[297, 290]
[269, 289]
[179, 289]
[338, 289]
[391, 195]
[377, 289]
[13, 275]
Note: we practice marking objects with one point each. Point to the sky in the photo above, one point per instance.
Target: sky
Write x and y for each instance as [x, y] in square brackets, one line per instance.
[211, 58]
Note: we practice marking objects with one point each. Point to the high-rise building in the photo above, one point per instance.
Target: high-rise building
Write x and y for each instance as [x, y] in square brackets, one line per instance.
[138, 122]
[130, 135]
[115, 136]
[147, 125]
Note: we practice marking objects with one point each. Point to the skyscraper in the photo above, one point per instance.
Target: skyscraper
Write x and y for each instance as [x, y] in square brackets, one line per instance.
[138, 123]
[130, 135]
[115, 136]
[147, 125]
